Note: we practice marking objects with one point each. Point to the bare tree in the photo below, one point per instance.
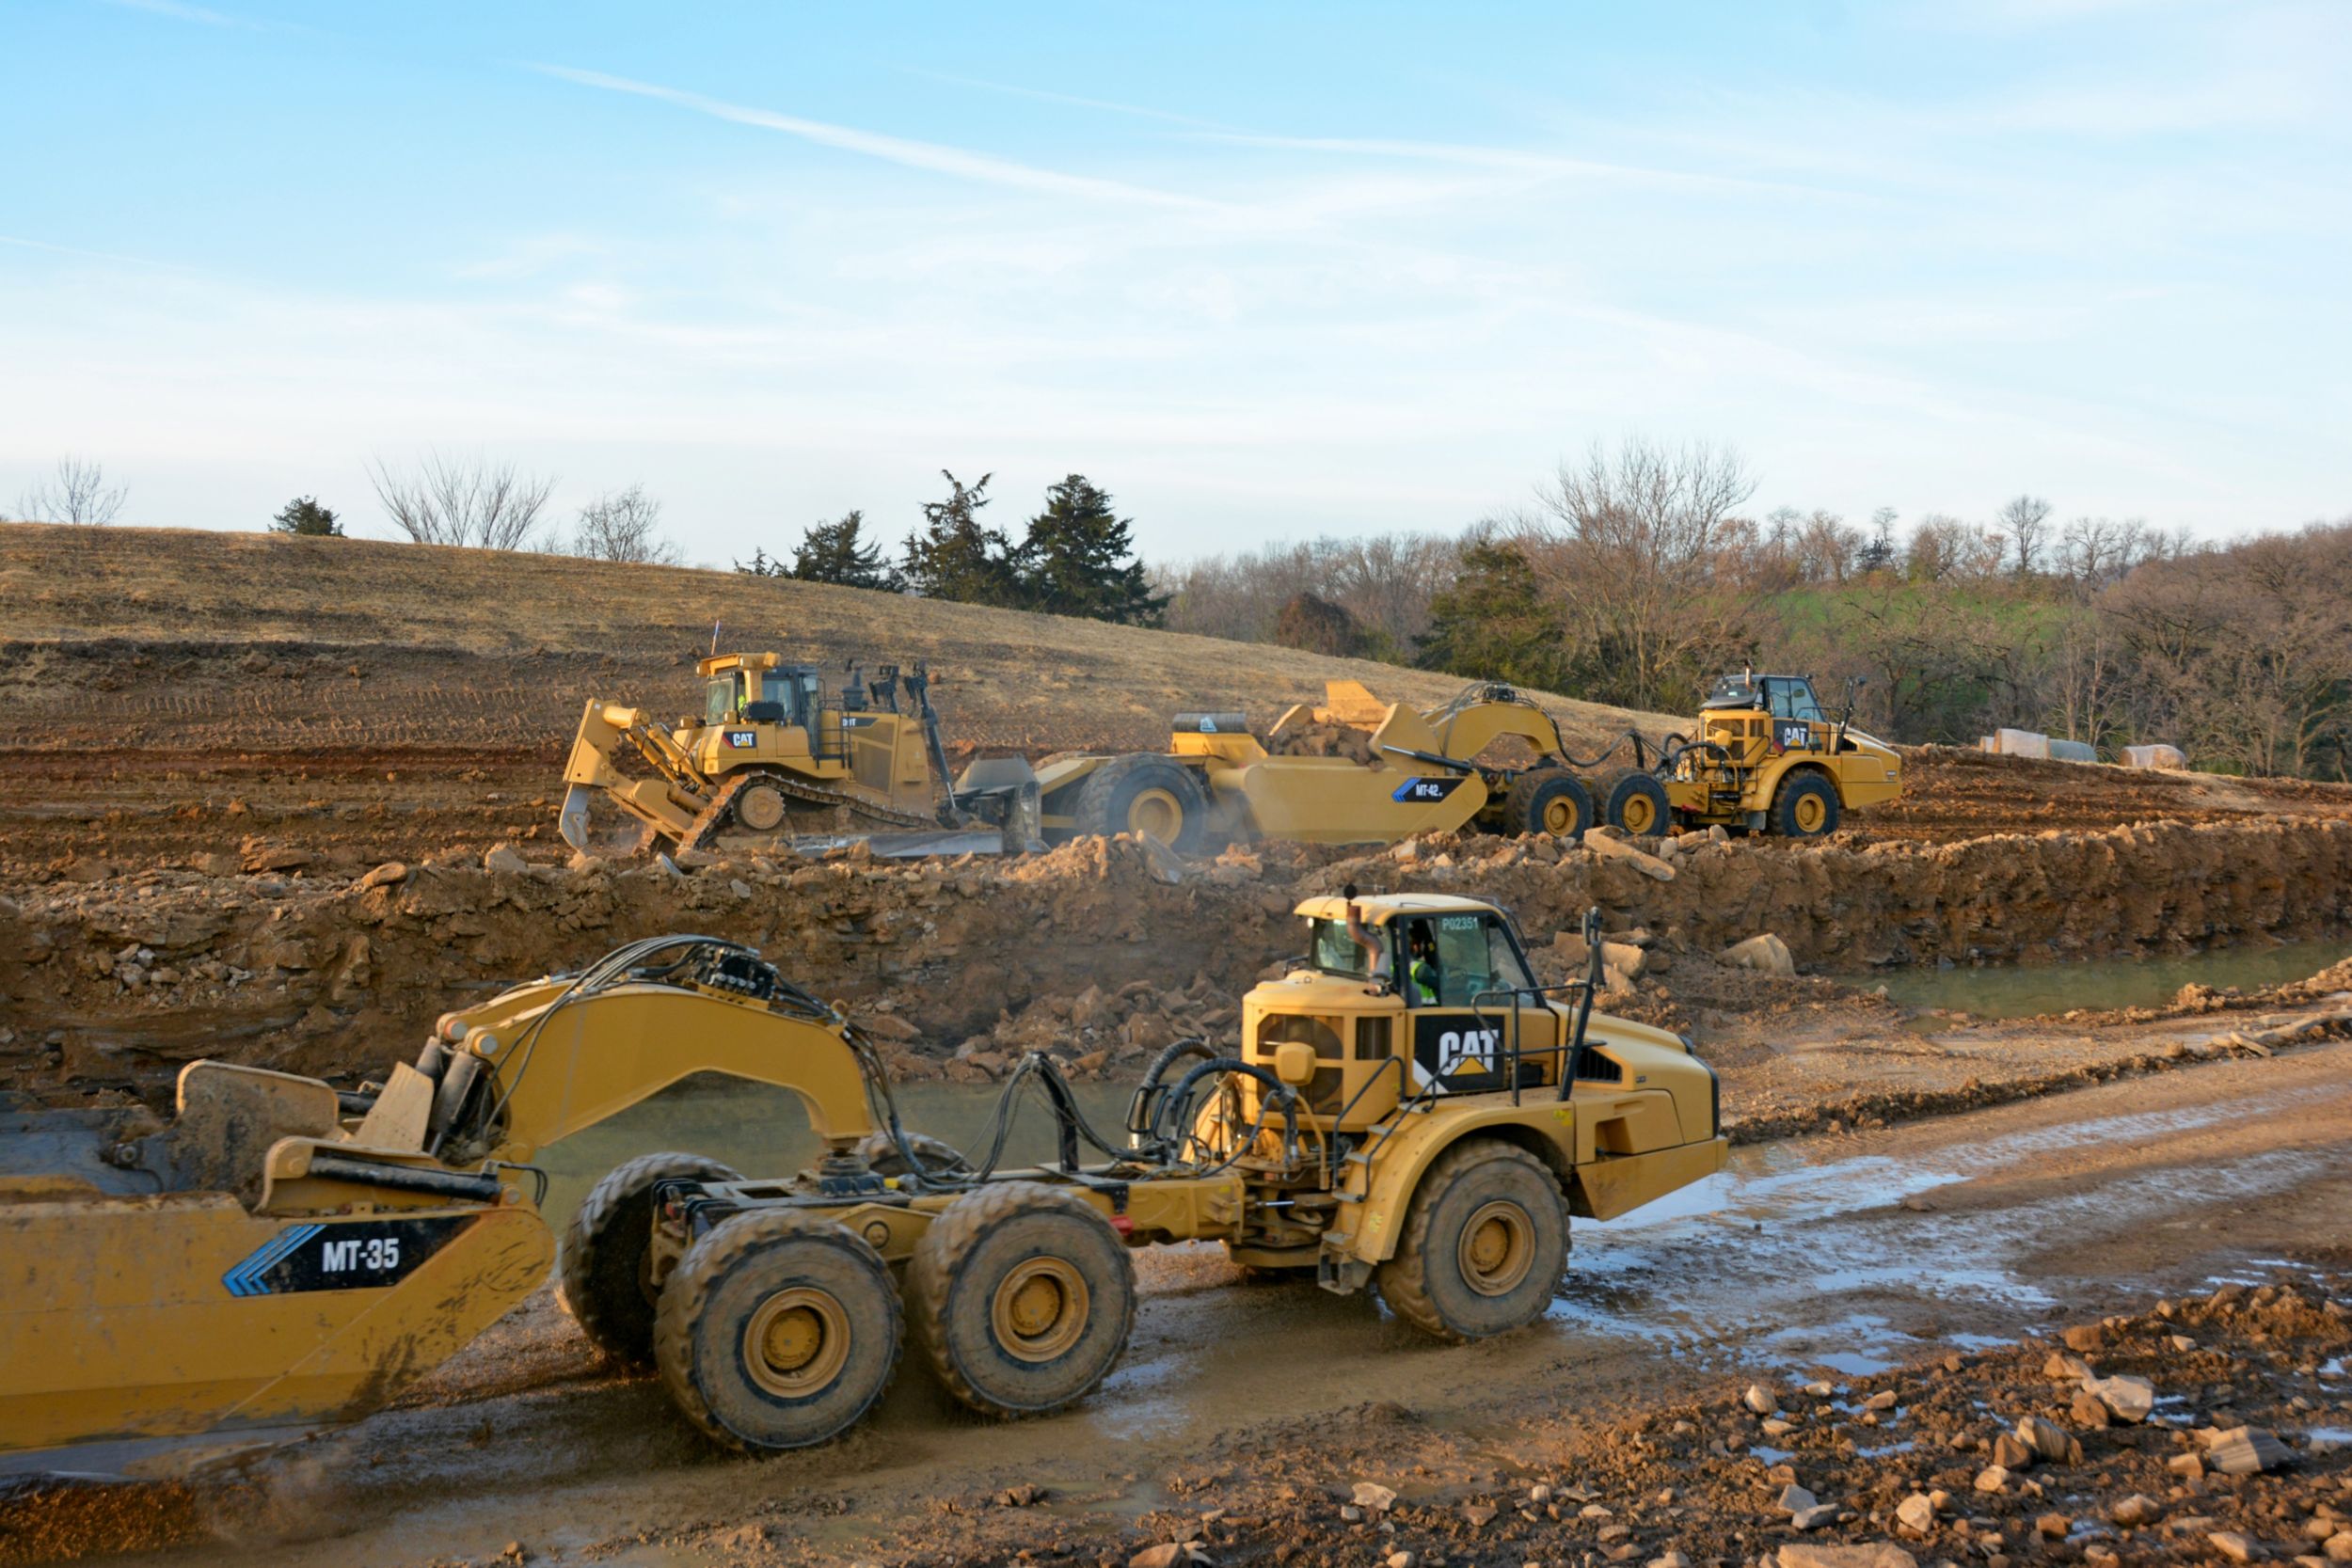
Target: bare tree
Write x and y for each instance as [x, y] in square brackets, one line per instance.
[1642, 548]
[2026, 520]
[77, 494]
[463, 501]
[623, 525]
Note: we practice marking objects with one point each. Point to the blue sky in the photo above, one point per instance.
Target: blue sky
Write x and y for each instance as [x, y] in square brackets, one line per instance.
[1263, 272]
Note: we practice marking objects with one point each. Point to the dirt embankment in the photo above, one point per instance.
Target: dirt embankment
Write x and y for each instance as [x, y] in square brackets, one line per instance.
[119, 978]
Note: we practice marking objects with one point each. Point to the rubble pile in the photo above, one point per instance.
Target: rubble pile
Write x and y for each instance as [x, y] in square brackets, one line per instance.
[1326, 739]
[2212, 1429]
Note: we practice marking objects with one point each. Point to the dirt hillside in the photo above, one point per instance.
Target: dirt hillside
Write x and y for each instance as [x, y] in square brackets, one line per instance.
[200, 640]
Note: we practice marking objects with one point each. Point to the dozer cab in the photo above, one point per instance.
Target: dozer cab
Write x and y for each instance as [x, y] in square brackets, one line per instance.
[779, 752]
[1406, 1109]
[1416, 770]
[1767, 759]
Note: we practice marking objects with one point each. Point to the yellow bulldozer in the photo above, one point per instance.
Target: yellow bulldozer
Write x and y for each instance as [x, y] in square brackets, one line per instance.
[1767, 758]
[1406, 1109]
[777, 751]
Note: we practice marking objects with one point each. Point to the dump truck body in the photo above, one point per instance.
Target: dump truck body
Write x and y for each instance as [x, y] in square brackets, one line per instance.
[1423, 771]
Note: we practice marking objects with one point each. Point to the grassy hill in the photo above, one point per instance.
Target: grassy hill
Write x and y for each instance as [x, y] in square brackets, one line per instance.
[170, 639]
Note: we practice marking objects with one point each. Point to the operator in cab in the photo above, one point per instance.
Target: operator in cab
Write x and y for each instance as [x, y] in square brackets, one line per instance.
[1421, 951]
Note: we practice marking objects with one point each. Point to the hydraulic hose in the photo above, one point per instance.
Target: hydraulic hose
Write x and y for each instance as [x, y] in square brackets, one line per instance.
[1279, 1094]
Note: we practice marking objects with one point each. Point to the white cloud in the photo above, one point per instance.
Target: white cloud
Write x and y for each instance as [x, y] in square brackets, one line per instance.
[931, 156]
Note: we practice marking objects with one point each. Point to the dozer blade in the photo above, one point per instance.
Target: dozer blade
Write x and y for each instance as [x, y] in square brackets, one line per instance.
[910, 845]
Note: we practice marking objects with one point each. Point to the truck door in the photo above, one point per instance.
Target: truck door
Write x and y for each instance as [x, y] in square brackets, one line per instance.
[1459, 971]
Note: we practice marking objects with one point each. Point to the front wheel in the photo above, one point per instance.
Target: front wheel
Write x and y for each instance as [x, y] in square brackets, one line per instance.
[1145, 795]
[1807, 807]
[1485, 1240]
[778, 1330]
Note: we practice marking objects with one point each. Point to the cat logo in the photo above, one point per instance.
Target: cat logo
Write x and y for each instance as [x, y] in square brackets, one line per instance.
[742, 740]
[1791, 735]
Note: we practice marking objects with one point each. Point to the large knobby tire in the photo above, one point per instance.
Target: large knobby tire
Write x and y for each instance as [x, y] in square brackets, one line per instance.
[600, 1275]
[1144, 795]
[1485, 1240]
[1549, 801]
[778, 1330]
[1633, 801]
[1022, 1297]
[1807, 807]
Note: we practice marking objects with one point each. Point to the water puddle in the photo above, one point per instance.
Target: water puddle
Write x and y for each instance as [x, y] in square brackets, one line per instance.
[2021, 990]
[1745, 1263]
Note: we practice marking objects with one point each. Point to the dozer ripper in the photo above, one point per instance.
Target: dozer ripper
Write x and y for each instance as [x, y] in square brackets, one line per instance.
[776, 751]
[1406, 1109]
[1767, 759]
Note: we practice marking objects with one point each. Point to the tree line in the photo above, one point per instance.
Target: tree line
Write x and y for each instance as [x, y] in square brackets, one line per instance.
[1634, 576]
[1637, 575]
[1076, 556]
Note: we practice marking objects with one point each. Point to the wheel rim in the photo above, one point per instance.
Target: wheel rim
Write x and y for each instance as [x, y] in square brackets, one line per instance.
[1812, 811]
[1560, 814]
[1639, 814]
[1156, 811]
[1040, 1309]
[796, 1342]
[760, 808]
[1497, 1248]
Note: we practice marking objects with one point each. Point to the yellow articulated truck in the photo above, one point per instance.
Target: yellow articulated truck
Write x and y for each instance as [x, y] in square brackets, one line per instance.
[1767, 758]
[1406, 1110]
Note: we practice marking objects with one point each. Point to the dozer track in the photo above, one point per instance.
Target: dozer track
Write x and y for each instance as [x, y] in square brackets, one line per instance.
[800, 790]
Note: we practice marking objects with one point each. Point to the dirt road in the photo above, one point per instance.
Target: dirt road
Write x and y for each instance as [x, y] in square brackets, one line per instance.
[1834, 1257]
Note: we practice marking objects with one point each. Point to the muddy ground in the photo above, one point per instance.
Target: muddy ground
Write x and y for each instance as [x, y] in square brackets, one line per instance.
[1893, 1297]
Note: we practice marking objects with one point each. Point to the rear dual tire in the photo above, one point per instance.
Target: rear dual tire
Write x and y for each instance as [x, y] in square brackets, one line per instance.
[1022, 1298]
[1549, 801]
[779, 1330]
[601, 1276]
[1634, 800]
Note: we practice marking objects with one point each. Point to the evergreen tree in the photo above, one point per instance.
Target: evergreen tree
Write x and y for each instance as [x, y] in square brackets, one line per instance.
[763, 566]
[1079, 559]
[306, 516]
[1493, 624]
[834, 552]
[955, 556]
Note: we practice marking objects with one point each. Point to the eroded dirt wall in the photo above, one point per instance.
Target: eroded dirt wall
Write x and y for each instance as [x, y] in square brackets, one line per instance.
[336, 975]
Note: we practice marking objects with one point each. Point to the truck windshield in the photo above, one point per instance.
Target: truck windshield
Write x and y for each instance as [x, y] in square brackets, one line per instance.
[1330, 949]
[719, 700]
